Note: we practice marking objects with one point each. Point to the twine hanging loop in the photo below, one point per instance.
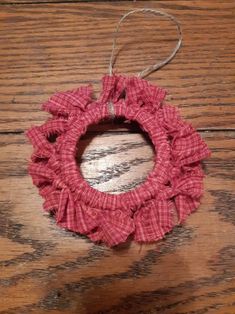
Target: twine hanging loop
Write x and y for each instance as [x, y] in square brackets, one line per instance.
[158, 65]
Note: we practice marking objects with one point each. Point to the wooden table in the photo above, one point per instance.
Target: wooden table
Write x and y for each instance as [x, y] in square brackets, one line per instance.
[48, 46]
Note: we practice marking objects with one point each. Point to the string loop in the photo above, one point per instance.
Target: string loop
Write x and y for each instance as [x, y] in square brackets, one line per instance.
[158, 65]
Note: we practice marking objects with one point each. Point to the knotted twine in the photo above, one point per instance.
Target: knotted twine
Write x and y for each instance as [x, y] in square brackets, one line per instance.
[146, 212]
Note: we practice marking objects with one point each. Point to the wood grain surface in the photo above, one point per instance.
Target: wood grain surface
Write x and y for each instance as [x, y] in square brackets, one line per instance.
[47, 47]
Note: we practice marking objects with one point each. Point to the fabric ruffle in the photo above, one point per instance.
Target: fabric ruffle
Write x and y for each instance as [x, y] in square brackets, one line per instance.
[153, 221]
[137, 92]
[63, 104]
[145, 213]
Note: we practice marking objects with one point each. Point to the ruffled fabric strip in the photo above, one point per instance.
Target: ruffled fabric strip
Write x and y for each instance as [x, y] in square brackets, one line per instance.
[145, 213]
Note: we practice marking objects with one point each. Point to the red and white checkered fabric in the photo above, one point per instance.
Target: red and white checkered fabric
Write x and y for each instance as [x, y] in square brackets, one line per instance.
[145, 212]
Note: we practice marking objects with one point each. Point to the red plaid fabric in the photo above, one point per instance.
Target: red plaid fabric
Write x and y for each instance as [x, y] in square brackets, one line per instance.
[145, 212]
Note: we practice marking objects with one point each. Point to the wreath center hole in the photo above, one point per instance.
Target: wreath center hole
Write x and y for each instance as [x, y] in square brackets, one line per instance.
[115, 157]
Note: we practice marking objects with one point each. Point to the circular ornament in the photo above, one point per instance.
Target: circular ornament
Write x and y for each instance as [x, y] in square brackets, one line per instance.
[146, 212]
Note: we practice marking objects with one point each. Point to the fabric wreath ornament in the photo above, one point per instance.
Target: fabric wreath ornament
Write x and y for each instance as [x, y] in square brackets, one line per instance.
[144, 212]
